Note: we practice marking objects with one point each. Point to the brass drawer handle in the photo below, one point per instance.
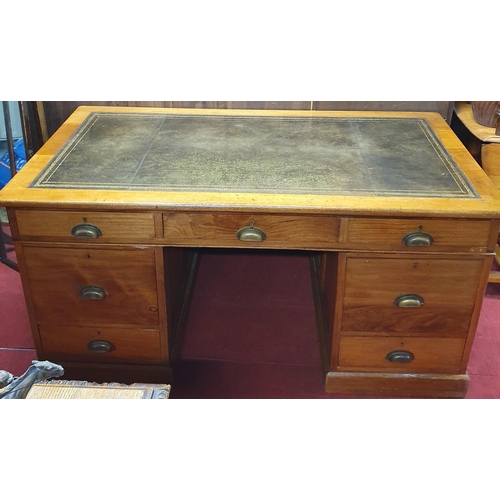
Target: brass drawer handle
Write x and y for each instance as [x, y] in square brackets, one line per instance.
[93, 293]
[100, 346]
[400, 357]
[86, 231]
[409, 300]
[251, 233]
[418, 239]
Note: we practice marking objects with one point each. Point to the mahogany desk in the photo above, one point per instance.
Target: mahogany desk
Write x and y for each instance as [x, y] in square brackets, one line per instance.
[401, 222]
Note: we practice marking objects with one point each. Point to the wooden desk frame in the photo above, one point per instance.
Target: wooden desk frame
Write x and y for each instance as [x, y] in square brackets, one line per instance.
[155, 234]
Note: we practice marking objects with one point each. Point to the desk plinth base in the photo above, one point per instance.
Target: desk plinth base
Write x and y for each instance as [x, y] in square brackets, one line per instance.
[397, 385]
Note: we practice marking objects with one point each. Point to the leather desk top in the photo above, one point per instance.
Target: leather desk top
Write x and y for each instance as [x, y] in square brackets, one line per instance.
[260, 154]
[354, 163]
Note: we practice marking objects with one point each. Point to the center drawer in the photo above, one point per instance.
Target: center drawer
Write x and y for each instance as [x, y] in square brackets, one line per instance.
[409, 295]
[93, 286]
[242, 230]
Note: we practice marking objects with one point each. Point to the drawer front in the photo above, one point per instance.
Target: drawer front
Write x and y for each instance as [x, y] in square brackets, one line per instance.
[468, 236]
[407, 354]
[85, 226]
[100, 345]
[279, 231]
[402, 295]
[92, 286]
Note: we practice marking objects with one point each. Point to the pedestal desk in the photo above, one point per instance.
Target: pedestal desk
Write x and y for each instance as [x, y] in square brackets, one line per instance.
[399, 220]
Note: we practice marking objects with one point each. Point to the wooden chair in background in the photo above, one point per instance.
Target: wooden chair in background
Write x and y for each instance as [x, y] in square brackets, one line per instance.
[478, 127]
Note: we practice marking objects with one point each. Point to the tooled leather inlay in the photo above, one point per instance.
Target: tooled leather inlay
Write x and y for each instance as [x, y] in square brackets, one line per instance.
[260, 154]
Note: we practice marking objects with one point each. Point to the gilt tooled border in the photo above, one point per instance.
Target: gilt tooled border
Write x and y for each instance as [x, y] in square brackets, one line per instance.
[465, 189]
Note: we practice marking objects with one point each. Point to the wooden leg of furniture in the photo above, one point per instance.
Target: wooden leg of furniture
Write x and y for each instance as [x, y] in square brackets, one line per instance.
[494, 276]
[490, 159]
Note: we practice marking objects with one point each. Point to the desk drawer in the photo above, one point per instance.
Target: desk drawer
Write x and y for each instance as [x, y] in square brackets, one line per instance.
[468, 236]
[278, 231]
[103, 344]
[100, 227]
[423, 354]
[92, 286]
[410, 296]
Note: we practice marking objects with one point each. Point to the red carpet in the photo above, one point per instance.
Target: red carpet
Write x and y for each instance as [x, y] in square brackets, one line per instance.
[252, 307]
[16, 345]
[484, 364]
[15, 330]
[250, 332]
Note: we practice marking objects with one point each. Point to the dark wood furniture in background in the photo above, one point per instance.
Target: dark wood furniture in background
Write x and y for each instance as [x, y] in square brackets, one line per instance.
[474, 135]
[487, 114]
[48, 116]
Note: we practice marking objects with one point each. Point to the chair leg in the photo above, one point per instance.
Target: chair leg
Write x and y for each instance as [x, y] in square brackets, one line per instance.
[3, 252]
[494, 276]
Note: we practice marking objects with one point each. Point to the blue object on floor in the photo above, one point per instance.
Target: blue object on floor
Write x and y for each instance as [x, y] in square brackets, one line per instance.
[20, 159]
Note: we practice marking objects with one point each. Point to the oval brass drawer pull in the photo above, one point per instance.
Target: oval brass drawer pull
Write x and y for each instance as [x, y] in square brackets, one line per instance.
[418, 239]
[400, 357]
[100, 346]
[86, 231]
[93, 293]
[250, 233]
[409, 300]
